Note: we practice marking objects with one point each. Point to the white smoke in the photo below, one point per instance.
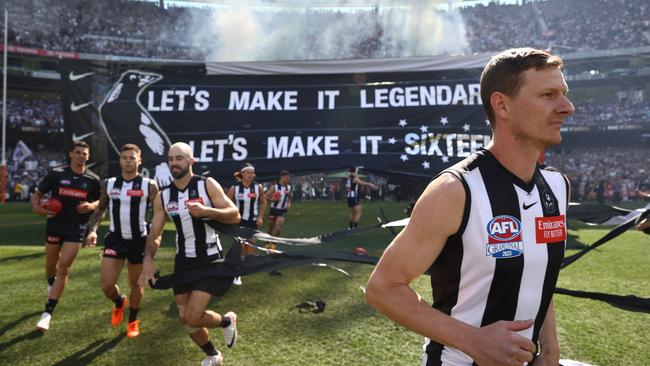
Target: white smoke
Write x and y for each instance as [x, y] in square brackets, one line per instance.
[262, 33]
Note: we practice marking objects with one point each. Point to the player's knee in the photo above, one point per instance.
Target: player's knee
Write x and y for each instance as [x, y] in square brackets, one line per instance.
[63, 270]
[133, 285]
[107, 287]
[193, 319]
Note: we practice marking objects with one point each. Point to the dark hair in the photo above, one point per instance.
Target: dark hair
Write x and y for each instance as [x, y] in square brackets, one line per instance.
[503, 73]
[80, 144]
[131, 147]
[353, 169]
[284, 173]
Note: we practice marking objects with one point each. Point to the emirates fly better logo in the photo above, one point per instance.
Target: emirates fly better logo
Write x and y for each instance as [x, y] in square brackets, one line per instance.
[504, 237]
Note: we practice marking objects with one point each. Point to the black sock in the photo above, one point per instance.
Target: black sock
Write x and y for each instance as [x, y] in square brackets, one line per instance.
[225, 321]
[119, 301]
[50, 305]
[209, 349]
[50, 280]
[350, 224]
[133, 314]
[354, 225]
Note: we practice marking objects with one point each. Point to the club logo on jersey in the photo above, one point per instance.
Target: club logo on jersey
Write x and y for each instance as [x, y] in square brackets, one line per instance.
[135, 193]
[72, 192]
[252, 195]
[550, 229]
[115, 192]
[65, 182]
[504, 237]
[548, 202]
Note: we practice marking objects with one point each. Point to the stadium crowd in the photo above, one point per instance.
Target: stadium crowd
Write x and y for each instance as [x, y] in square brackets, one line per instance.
[603, 174]
[144, 29]
[574, 25]
[599, 113]
[46, 114]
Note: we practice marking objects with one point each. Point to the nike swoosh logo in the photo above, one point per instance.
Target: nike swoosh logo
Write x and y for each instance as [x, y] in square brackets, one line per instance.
[76, 138]
[75, 107]
[526, 207]
[74, 77]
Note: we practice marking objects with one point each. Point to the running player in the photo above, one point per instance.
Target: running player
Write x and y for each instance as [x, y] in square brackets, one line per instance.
[78, 190]
[248, 196]
[280, 196]
[354, 201]
[127, 198]
[490, 230]
[188, 200]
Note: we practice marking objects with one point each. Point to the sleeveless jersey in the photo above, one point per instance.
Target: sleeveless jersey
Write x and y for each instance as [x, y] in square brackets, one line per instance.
[247, 200]
[194, 239]
[504, 261]
[71, 189]
[352, 188]
[285, 192]
[128, 203]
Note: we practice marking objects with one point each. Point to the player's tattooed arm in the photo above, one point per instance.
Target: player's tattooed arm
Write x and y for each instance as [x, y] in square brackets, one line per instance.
[99, 213]
[153, 242]
[97, 217]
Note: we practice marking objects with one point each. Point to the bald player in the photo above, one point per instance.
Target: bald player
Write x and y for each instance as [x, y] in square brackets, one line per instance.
[189, 199]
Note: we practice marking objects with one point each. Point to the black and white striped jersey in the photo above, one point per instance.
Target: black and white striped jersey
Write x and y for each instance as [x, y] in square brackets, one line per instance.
[352, 188]
[128, 204]
[247, 200]
[504, 261]
[194, 239]
[283, 193]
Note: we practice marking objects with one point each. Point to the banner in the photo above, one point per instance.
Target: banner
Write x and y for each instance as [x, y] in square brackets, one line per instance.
[396, 123]
[21, 152]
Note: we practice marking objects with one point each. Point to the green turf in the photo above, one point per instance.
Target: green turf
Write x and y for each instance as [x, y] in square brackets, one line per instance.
[347, 333]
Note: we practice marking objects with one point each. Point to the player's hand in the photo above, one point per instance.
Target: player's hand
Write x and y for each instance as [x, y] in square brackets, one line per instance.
[196, 209]
[260, 221]
[84, 207]
[40, 210]
[91, 239]
[644, 224]
[498, 344]
[148, 272]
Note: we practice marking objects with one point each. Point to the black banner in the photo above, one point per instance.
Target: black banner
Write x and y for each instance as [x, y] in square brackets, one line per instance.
[396, 123]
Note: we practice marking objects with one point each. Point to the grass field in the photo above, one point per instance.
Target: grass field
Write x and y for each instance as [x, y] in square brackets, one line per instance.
[347, 333]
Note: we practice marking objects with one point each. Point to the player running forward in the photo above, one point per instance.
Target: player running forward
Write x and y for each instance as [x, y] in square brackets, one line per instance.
[280, 196]
[187, 201]
[78, 190]
[249, 198]
[127, 197]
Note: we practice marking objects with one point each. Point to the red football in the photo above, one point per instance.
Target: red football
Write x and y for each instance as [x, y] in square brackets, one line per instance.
[53, 204]
[276, 195]
[360, 251]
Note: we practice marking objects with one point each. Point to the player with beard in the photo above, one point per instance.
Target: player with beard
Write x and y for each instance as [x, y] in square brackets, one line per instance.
[187, 201]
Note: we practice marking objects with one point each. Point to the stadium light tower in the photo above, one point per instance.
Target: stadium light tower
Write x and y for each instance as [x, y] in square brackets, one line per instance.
[3, 163]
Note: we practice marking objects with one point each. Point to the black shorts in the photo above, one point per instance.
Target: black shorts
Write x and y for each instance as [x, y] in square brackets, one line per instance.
[353, 201]
[215, 286]
[117, 248]
[249, 223]
[71, 233]
[277, 212]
